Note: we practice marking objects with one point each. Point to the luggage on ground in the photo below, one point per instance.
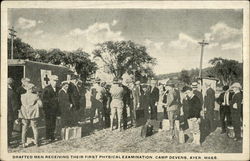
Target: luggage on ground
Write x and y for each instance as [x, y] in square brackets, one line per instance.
[71, 133]
[155, 124]
[147, 130]
[165, 124]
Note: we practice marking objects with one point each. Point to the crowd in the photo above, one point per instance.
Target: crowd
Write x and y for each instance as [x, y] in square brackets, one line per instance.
[110, 102]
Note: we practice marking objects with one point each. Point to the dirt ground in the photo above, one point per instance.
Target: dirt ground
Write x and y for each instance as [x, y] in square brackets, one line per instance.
[130, 141]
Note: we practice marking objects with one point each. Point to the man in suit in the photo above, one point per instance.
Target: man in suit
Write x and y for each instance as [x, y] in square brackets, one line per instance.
[194, 86]
[97, 95]
[224, 101]
[235, 106]
[74, 97]
[106, 104]
[209, 105]
[74, 94]
[136, 93]
[193, 114]
[153, 99]
[64, 105]
[51, 107]
[126, 102]
[12, 108]
[145, 102]
[172, 105]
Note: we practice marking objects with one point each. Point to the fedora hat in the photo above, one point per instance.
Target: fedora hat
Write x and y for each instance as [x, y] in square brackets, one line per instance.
[194, 85]
[236, 85]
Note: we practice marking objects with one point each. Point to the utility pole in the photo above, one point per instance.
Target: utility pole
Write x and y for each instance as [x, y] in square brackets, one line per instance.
[12, 35]
[203, 43]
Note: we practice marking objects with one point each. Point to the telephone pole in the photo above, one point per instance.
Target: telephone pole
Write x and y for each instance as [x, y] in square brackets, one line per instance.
[203, 43]
[12, 35]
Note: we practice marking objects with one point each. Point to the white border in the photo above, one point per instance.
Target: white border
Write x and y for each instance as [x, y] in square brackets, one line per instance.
[122, 5]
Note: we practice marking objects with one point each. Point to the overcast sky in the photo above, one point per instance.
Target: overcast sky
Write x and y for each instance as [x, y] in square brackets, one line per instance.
[171, 36]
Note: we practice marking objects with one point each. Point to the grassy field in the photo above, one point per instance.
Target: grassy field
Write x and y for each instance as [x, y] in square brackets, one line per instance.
[130, 141]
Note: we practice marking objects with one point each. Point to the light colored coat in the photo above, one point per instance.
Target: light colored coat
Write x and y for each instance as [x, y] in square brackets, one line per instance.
[30, 106]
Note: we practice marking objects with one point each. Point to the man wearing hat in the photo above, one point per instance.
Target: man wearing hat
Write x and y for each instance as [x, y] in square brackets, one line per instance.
[74, 97]
[193, 114]
[126, 100]
[97, 95]
[209, 105]
[12, 108]
[29, 113]
[194, 86]
[65, 105]
[235, 106]
[224, 101]
[51, 107]
[74, 94]
[153, 99]
[136, 93]
[117, 93]
[172, 104]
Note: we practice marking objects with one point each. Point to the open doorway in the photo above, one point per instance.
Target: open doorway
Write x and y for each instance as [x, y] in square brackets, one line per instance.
[16, 73]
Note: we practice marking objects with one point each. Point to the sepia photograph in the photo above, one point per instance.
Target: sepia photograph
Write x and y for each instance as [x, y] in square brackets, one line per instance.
[124, 80]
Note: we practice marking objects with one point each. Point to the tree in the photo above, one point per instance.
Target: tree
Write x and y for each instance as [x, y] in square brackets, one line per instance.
[185, 77]
[21, 50]
[123, 56]
[228, 71]
[81, 62]
[42, 55]
[56, 56]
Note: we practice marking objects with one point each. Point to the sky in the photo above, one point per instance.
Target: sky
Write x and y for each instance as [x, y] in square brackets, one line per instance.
[170, 35]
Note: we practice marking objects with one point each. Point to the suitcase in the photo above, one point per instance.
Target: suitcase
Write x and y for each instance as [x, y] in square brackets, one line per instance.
[155, 124]
[71, 133]
[17, 127]
[147, 130]
[183, 123]
[196, 138]
[165, 124]
[180, 136]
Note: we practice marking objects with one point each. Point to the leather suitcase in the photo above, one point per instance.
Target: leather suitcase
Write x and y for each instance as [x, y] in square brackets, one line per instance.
[155, 124]
[165, 124]
[180, 136]
[146, 130]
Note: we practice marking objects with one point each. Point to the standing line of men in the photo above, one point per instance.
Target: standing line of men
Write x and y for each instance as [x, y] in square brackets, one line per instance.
[109, 102]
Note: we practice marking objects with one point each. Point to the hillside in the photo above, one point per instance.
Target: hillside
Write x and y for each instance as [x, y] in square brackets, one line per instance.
[175, 75]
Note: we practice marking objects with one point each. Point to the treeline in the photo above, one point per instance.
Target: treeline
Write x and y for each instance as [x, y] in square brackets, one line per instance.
[117, 57]
[227, 71]
[78, 60]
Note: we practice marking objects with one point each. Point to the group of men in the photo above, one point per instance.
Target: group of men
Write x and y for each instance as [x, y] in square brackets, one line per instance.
[114, 100]
[143, 101]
